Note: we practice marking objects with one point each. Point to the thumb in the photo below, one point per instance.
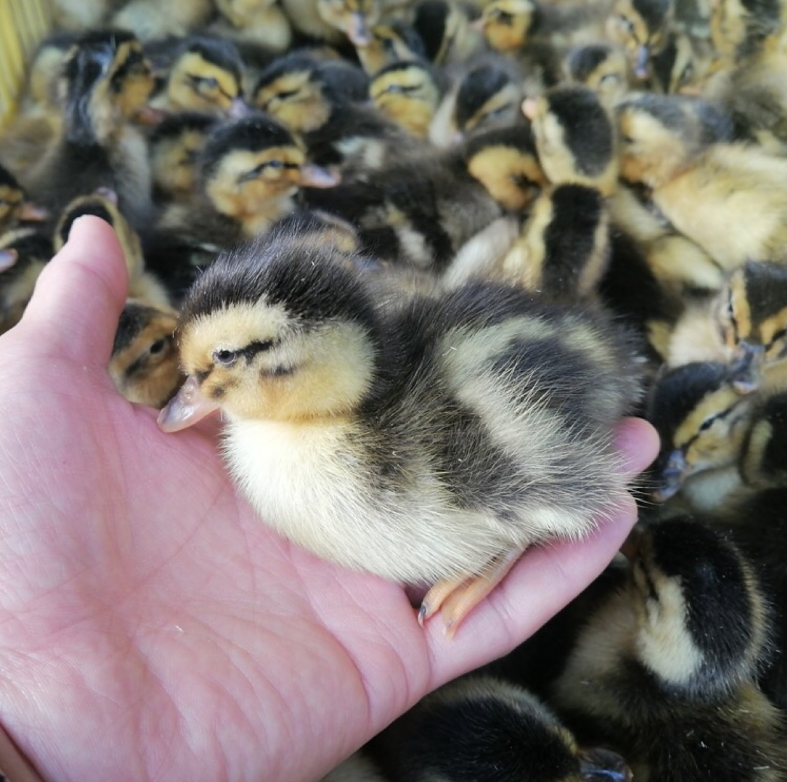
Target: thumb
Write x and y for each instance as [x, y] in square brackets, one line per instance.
[80, 294]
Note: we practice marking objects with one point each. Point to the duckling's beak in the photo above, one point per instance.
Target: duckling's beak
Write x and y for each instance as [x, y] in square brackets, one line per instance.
[358, 31]
[479, 25]
[743, 372]
[642, 65]
[530, 108]
[672, 476]
[108, 193]
[315, 176]
[186, 408]
[147, 115]
[601, 765]
[7, 259]
[30, 213]
[238, 108]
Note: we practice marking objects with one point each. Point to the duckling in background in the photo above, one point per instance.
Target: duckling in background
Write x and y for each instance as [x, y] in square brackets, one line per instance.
[642, 28]
[483, 728]
[81, 15]
[703, 187]
[563, 251]
[390, 42]
[14, 207]
[255, 21]
[142, 285]
[575, 137]
[150, 19]
[663, 670]
[352, 416]
[744, 326]
[144, 365]
[206, 76]
[318, 101]
[251, 171]
[175, 146]
[23, 254]
[408, 93]
[422, 211]
[601, 67]
[106, 82]
[447, 31]
[740, 27]
[336, 21]
[763, 462]
[510, 25]
[682, 66]
[702, 421]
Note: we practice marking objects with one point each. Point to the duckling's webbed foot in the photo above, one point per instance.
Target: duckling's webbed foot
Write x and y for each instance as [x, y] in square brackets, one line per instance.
[456, 598]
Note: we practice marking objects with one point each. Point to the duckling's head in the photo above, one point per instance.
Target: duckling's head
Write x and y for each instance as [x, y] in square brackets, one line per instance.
[145, 363]
[293, 89]
[641, 27]
[408, 93]
[279, 329]
[507, 23]
[446, 30]
[751, 313]
[252, 165]
[106, 81]
[703, 620]
[505, 162]
[601, 67]
[103, 204]
[353, 17]
[488, 95]
[175, 146]
[46, 66]
[574, 136]
[660, 135]
[701, 420]
[206, 77]
[390, 42]
[480, 727]
[739, 27]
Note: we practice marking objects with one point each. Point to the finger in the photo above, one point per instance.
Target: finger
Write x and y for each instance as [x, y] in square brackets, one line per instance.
[541, 584]
[80, 294]
[638, 443]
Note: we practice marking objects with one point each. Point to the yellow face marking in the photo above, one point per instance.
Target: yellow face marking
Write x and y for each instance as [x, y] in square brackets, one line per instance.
[512, 177]
[295, 100]
[506, 24]
[174, 162]
[501, 107]
[137, 83]
[198, 85]
[408, 97]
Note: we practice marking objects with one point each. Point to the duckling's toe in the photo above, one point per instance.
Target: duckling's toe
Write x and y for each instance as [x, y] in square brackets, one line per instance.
[458, 597]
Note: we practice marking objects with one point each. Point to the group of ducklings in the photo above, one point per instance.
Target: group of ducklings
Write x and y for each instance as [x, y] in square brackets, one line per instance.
[423, 255]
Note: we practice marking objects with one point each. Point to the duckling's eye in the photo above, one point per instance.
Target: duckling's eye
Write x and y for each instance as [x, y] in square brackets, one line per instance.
[157, 346]
[707, 423]
[274, 164]
[209, 83]
[286, 94]
[504, 17]
[225, 358]
[389, 47]
[626, 139]
[609, 78]
[627, 24]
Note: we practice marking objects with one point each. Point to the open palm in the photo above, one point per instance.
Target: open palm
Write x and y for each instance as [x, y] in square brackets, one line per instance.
[150, 626]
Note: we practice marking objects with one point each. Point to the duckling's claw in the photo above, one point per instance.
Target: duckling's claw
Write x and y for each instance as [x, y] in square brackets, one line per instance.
[437, 595]
[186, 408]
[466, 597]
[31, 213]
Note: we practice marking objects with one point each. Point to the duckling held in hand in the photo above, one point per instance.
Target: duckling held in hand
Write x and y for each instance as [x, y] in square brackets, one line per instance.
[483, 728]
[481, 422]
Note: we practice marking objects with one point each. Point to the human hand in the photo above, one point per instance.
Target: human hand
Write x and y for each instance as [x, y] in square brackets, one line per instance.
[151, 627]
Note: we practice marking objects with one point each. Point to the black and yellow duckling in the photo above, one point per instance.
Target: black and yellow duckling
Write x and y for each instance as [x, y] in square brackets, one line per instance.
[421, 211]
[483, 728]
[763, 462]
[703, 187]
[511, 25]
[150, 19]
[351, 415]
[603, 68]
[702, 421]
[447, 31]
[335, 22]
[24, 252]
[142, 285]
[106, 82]
[744, 326]
[175, 147]
[663, 670]
[321, 102]
[642, 28]
[145, 361]
[250, 173]
[206, 75]
[575, 137]
[408, 93]
[391, 41]
[741, 27]
[80, 15]
[254, 21]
